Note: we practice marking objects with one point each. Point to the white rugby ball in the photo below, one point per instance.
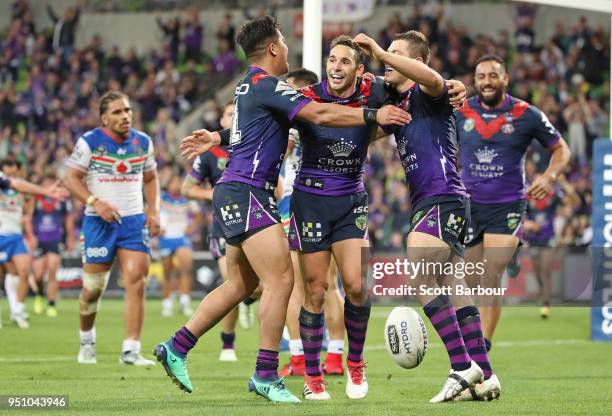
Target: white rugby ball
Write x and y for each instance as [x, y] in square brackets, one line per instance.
[405, 337]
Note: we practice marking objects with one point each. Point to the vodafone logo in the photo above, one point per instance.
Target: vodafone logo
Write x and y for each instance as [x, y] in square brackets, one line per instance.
[122, 167]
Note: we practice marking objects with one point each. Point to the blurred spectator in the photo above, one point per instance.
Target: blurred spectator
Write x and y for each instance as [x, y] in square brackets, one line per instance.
[172, 34]
[194, 36]
[225, 62]
[227, 31]
[64, 29]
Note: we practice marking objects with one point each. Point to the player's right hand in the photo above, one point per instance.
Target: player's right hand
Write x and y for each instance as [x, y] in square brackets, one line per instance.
[200, 141]
[56, 191]
[392, 115]
[106, 211]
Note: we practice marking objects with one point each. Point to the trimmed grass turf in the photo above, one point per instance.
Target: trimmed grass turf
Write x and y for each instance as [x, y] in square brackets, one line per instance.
[546, 367]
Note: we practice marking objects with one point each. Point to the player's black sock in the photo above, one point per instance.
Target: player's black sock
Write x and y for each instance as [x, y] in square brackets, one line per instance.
[249, 301]
[488, 344]
[311, 331]
[51, 303]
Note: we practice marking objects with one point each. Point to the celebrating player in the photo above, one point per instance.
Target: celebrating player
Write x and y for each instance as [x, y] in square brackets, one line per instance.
[494, 132]
[428, 151]
[179, 218]
[334, 305]
[14, 255]
[117, 163]
[52, 223]
[243, 199]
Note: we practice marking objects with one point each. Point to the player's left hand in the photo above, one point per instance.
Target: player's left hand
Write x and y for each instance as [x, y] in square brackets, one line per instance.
[153, 223]
[200, 141]
[369, 46]
[457, 92]
[541, 186]
[369, 76]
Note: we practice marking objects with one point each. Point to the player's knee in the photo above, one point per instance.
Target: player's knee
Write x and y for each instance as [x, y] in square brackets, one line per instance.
[135, 284]
[356, 292]
[94, 285]
[316, 291]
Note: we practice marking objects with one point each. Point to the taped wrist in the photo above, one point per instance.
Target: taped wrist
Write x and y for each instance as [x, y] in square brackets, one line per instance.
[225, 137]
[369, 115]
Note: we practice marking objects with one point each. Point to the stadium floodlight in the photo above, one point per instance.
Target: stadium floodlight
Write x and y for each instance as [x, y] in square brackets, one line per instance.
[604, 6]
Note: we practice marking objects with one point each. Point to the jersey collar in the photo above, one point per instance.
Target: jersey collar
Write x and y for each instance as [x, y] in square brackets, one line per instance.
[115, 138]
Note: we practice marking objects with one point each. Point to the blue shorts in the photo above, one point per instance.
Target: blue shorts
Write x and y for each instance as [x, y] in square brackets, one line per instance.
[243, 210]
[495, 219]
[319, 221]
[169, 246]
[10, 246]
[100, 239]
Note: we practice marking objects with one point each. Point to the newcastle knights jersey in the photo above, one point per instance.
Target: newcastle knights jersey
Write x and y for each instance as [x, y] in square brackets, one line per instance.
[493, 145]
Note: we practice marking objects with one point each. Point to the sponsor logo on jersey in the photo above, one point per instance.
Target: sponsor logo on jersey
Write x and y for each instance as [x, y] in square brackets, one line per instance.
[312, 231]
[469, 124]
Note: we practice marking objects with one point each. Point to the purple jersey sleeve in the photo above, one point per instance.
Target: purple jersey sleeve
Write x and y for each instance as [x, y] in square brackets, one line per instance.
[198, 169]
[279, 97]
[542, 129]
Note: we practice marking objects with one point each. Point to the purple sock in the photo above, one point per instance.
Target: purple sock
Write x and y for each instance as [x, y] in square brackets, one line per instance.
[228, 340]
[267, 364]
[311, 331]
[183, 341]
[471, 331]
[442, 316]
[356, 324]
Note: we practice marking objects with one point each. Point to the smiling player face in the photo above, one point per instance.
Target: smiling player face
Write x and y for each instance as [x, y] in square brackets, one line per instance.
[118, 117]
[398, 47]
[491, 81]
[342, 70]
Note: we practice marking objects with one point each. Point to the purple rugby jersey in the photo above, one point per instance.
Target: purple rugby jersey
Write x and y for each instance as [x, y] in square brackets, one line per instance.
[427, 146]
[333, 159]
[493, 145]
[49, 219]
[265, 106]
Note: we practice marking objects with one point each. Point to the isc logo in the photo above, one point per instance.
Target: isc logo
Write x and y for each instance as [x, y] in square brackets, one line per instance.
[97, 252]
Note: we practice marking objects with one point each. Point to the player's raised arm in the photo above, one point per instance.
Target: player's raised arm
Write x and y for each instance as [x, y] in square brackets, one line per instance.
[430, 81]
[333, 115]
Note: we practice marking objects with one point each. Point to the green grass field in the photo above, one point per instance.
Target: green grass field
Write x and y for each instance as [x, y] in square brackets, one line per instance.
[546, 368]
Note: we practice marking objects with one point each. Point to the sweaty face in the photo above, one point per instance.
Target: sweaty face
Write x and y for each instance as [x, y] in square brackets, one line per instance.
[491, 82]
[226, 117]
[118, 117]
[342, 69]
[398, 47]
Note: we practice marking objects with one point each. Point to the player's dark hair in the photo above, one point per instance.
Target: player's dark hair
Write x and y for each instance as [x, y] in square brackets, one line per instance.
[303, 76]
[8, 162]
[344, 40]
[491, 57]
[109, 97]
[255, 35]
[418, 45]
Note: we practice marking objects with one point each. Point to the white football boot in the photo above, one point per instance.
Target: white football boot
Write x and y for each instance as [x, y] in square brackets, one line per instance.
[488, 390]
[87, 354]
[457, 382]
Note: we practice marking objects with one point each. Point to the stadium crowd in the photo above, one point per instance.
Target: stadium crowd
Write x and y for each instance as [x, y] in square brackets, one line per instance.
[49, 92]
